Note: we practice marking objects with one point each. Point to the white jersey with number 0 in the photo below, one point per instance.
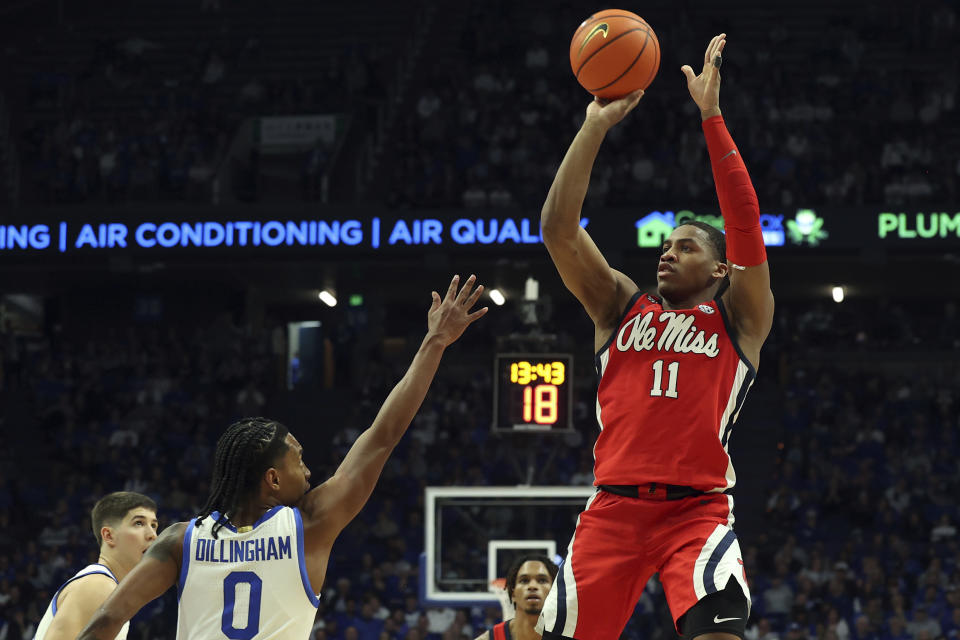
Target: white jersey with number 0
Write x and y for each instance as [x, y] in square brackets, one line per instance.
[51, 612]
[246, 585]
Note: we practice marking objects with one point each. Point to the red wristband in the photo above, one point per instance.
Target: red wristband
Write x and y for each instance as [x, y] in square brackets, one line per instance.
[738, 198]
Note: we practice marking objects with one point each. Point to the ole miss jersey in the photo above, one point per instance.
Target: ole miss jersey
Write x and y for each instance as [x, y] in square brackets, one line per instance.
[501, 631]
[672, 383]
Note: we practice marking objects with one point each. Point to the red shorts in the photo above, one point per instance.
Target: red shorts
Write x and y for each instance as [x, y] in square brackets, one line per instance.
[620, 542]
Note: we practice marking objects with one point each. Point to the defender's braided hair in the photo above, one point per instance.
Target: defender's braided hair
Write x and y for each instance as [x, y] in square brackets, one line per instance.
[244, 451]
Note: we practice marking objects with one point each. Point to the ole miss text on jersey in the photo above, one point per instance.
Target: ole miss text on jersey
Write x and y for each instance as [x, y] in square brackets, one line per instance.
[672, 383]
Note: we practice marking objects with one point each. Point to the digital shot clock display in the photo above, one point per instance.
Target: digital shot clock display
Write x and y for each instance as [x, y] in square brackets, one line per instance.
[532, 392]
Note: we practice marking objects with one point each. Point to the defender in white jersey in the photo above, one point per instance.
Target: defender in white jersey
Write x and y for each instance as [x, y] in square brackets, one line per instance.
[249, 566]
[254, 566]
[124, 524]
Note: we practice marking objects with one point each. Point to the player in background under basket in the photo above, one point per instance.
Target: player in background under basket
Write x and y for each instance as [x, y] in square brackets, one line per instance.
[528, 581]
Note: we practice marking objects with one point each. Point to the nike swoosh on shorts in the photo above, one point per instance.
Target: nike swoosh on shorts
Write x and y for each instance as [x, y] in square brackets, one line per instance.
[732, 152]
[717, 620]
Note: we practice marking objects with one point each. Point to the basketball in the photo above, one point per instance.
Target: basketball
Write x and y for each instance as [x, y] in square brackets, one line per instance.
[614, 52]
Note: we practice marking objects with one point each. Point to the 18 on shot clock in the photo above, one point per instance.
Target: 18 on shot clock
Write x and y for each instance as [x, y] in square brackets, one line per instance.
[533, 392]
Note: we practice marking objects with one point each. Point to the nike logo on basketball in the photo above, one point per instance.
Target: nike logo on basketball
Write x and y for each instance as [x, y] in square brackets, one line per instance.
[733, 152]
[600, 28]
[717, 620]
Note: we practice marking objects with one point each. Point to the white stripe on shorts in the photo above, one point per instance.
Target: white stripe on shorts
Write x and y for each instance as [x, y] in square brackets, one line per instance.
[716, 564]
[551, 606]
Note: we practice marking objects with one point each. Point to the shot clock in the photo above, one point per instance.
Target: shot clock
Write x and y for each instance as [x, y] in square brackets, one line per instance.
[532, 392]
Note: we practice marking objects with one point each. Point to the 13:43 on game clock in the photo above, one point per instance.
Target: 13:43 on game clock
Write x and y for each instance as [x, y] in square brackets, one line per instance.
[532, 392]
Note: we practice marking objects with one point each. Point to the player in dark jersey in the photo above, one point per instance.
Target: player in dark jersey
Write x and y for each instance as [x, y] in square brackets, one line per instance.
[674, 371]
[528, 582]
[254, 584]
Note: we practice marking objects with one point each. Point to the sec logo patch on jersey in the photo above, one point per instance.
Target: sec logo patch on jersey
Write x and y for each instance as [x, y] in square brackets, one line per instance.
[706, 308]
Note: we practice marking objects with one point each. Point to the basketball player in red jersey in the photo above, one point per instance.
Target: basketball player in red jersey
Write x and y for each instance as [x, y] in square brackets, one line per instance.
[528, 582]
[674, 370]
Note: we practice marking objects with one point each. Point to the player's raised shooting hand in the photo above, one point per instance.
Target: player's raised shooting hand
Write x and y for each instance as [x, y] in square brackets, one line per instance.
[448, 318]
[606, 113]
[705, 88]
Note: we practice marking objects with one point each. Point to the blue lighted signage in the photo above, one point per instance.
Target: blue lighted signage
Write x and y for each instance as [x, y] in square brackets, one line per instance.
[373, 233]
[151, 234]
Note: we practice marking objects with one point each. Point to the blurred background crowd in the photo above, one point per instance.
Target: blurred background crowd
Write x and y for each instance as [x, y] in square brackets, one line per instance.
[841, 103]
[848, 520]
[848, 453]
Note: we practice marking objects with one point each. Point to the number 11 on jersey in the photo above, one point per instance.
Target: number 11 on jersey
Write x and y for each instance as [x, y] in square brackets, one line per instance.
[657, 389]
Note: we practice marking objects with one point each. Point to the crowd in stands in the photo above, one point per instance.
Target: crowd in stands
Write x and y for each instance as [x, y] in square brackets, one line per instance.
[858, 539]
[167, 150]
[116, 129]
[866, 325]
[817, 117]
[859, 536]
[857, 109]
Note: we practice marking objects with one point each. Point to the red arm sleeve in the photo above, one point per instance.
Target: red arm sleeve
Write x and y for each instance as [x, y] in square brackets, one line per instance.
[738, 199]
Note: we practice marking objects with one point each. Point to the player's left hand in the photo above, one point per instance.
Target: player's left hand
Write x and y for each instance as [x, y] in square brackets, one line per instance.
[705, 88]
[449, 318]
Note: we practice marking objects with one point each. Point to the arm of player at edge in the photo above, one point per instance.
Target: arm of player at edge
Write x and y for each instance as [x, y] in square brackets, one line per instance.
[328, 508]
[749, 299]
[156, 572]
[77, 608]
[601, 290]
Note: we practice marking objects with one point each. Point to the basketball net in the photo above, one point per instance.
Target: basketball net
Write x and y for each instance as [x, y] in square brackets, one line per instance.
[499, 588]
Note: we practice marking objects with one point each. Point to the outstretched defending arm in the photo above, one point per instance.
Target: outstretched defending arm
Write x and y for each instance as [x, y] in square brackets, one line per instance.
[601, 290]
[332, 505]
[749, 298]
